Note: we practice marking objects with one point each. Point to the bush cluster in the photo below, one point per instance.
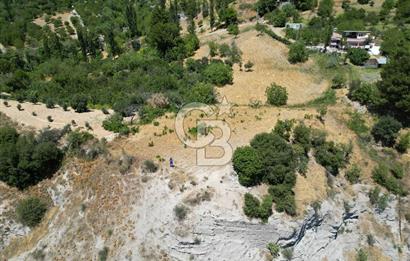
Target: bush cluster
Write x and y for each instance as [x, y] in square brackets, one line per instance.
[30, 211]
[276, 95]
[386, 130]
[25, 159]
[256, 209]
[385, 176]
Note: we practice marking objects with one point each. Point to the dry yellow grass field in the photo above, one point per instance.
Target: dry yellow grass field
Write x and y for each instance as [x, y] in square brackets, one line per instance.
[270, 66]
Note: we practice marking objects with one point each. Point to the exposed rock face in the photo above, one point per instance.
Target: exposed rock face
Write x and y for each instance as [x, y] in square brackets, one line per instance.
[134, 217]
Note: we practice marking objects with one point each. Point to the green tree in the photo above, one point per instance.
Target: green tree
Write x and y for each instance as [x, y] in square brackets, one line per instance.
[298, 53]
[278, 18]
[358, 56]
[248, 165]
[218, 73]
[276, 95]
[79, 103]
[19, 81]
[265, 6]
[404, 143]
[164, 37]
[325, 8]
[304, 5]
[332, 156]
[386, 130]
[114, 48]
[30, 211]
[395, 85]
[131, 17]
[211, 14]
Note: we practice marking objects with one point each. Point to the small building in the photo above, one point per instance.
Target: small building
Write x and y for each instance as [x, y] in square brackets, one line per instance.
[294, 26]
[371, 63]
[357, 39]
[375, 62]
[382, 60]
[336, 40]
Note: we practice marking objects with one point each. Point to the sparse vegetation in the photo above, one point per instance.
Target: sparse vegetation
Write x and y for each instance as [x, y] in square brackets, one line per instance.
[103, 254]
[353, 174]
[274, 249]
[277, 95]
[377, 199]
[181, 211]
[30, 211]
[149, 166]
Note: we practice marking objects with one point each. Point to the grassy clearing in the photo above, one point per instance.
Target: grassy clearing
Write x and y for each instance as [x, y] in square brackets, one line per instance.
[326, 99]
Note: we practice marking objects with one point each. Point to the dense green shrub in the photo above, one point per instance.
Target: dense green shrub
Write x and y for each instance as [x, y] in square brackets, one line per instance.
[353, 174]
[218, 73]
[397, 170]
[248, 165]
[265, 6]
[79, 103]
[278, 18]
[115, 124]
[278, 158]
[386, 130]
[366, 93]
[284, 128]
[298, 53]
[404, 143]
[332, 156]
[358, 56]
[276, 95]
[270, 159]
[325, 8]
[382, 175]
[284, 198]
[255, 209]
[303, 135]
[24, 160]
[30, 211]
[76, 139]
[201, 92]
[251, 206]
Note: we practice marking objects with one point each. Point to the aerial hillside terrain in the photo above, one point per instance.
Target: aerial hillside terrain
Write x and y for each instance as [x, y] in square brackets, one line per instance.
[205, 130]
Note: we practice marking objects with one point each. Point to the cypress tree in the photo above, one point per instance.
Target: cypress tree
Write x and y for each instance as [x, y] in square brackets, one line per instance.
[131, 18]
[112, 43]
[211, 13]
[205, 8]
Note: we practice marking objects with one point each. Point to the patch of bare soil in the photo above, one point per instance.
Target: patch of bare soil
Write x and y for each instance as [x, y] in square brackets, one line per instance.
[65, 17]
[310, 188]
[270, 66]
[35, 116]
